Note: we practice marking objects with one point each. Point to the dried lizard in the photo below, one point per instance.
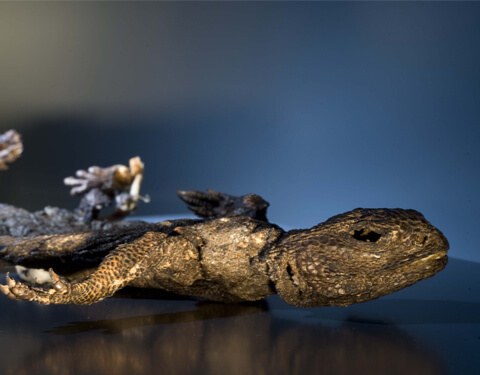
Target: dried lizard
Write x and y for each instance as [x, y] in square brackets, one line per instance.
[233, 254]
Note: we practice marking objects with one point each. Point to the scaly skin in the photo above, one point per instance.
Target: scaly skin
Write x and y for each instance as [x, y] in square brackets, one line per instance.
[357, 256]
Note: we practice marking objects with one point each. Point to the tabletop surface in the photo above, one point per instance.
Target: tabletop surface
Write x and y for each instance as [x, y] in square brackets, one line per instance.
[432, 327]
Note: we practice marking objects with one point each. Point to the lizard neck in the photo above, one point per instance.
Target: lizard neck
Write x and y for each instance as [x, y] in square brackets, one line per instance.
[282, 267]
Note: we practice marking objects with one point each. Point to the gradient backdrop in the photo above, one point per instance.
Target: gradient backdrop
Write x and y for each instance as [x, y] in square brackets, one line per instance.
[320, 107]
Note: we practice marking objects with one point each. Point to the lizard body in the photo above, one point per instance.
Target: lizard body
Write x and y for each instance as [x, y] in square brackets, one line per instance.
[353, 257]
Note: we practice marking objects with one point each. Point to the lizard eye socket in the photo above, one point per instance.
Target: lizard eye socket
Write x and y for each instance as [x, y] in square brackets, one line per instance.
[366, 235]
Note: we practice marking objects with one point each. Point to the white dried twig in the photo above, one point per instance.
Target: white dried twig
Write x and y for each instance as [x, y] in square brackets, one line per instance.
[11, 148]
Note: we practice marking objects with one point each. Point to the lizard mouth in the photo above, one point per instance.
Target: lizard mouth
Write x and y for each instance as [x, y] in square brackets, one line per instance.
[434, 256]
[428, 265]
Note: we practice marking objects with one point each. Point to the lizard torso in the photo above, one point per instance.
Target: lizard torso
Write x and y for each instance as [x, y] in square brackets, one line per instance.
[217, 259]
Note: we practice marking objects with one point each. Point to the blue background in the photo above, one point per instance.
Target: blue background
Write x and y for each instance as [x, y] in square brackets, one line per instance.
[318, 107]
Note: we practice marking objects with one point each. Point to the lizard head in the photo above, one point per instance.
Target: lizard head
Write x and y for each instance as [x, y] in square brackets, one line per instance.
[357, 256]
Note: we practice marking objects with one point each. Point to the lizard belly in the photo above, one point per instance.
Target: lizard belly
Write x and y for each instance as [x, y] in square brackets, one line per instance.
[216, 260]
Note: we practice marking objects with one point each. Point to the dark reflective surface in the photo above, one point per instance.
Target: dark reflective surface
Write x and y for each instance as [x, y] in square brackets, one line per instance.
[430, 328]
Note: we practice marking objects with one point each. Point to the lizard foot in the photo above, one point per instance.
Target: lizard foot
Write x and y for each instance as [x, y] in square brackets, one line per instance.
[206, 204]
[215, 205]
[21, 292]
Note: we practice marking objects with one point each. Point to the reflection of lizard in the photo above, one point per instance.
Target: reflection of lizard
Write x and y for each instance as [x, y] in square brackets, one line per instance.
[183, 339]
[235, 255]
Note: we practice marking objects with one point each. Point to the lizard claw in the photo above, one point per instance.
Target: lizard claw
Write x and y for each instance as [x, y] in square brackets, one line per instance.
[17, 291]
[10, 282]
[59, 285]
[5, 290]
[53, 275]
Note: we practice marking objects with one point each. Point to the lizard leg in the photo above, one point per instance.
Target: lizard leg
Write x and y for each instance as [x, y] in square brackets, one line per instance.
[121, 266]
[216, 205]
